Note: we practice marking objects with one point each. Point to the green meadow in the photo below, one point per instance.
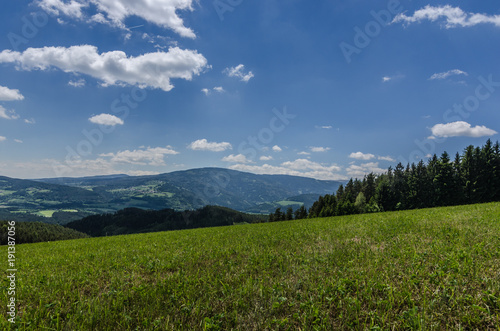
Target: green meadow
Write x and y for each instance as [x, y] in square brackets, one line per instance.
[430, 269]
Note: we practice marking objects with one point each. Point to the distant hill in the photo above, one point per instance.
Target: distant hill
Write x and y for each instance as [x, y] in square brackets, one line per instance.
[134, 220]
[33, 232]
[60, 200]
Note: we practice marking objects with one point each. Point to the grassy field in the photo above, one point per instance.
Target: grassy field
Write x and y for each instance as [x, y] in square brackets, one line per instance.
[433, 269]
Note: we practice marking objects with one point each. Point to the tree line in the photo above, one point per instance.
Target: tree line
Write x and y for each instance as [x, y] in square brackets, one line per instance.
[471, 177]
[135, 220]
[33, 232]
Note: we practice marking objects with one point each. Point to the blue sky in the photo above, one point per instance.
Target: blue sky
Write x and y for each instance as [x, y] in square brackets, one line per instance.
[323, 89]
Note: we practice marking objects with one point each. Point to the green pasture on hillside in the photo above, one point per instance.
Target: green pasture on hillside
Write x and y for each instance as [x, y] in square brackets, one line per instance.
[431, 269]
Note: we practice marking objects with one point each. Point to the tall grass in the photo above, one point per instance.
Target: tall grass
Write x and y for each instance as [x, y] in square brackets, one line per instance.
[432, 269]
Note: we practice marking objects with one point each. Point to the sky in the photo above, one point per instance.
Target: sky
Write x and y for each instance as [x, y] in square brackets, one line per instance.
[324, 89]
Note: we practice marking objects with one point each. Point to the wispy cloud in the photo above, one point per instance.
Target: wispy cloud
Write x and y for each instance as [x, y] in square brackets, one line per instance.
[153, 70]
[452, 16]
[386, 158]
[386, 79]
[2, 138]
[8, 114]
[461, 129]
[148, 156]
[299, 167]
[217, 89]
[238, 72]
[77, 83]
[205, 145]
[444, 75]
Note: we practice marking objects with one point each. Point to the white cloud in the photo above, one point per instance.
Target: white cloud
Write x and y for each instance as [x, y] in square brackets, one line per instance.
[2, 138]
[386, 158]
[364, 169]
[361, 156]
[453, 17]
[276, 148]
[218, 89]
[149, 156]
[386, 79]
[460, 129]
[240, 158]
[320, 149]
[106, 119]
[115, 12]
[148, 70]
[266, 158]
[29, 121]
[78, 83]
[443, 75]
[303, 153]
[7, 94]
[300, 167]
[204, 145]
[8, 114]
[239, 73]
[304, 164]
[18, 141]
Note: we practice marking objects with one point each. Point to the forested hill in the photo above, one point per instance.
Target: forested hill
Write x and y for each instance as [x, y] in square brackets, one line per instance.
[134, 220]
[33, 232]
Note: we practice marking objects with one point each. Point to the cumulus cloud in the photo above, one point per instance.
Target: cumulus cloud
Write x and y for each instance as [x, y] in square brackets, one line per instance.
[8, 114]
[364, 169]
[238, 72]
[361, 156]
[303, 153]
[461, 129]
[146, 156]
[300, 167]
[240, 158]
[320, 149]
[7, 94]
[276, 148]
[106, 119]
[266, 158]
[452, 16]
[444, 75]
[205, 145]
[153, 70]
[162, 13]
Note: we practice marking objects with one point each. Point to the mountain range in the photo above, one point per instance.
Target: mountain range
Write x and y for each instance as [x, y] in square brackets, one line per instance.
[60, 200]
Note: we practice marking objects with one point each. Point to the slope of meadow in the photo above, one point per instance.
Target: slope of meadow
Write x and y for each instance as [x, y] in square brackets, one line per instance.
[429, 269]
